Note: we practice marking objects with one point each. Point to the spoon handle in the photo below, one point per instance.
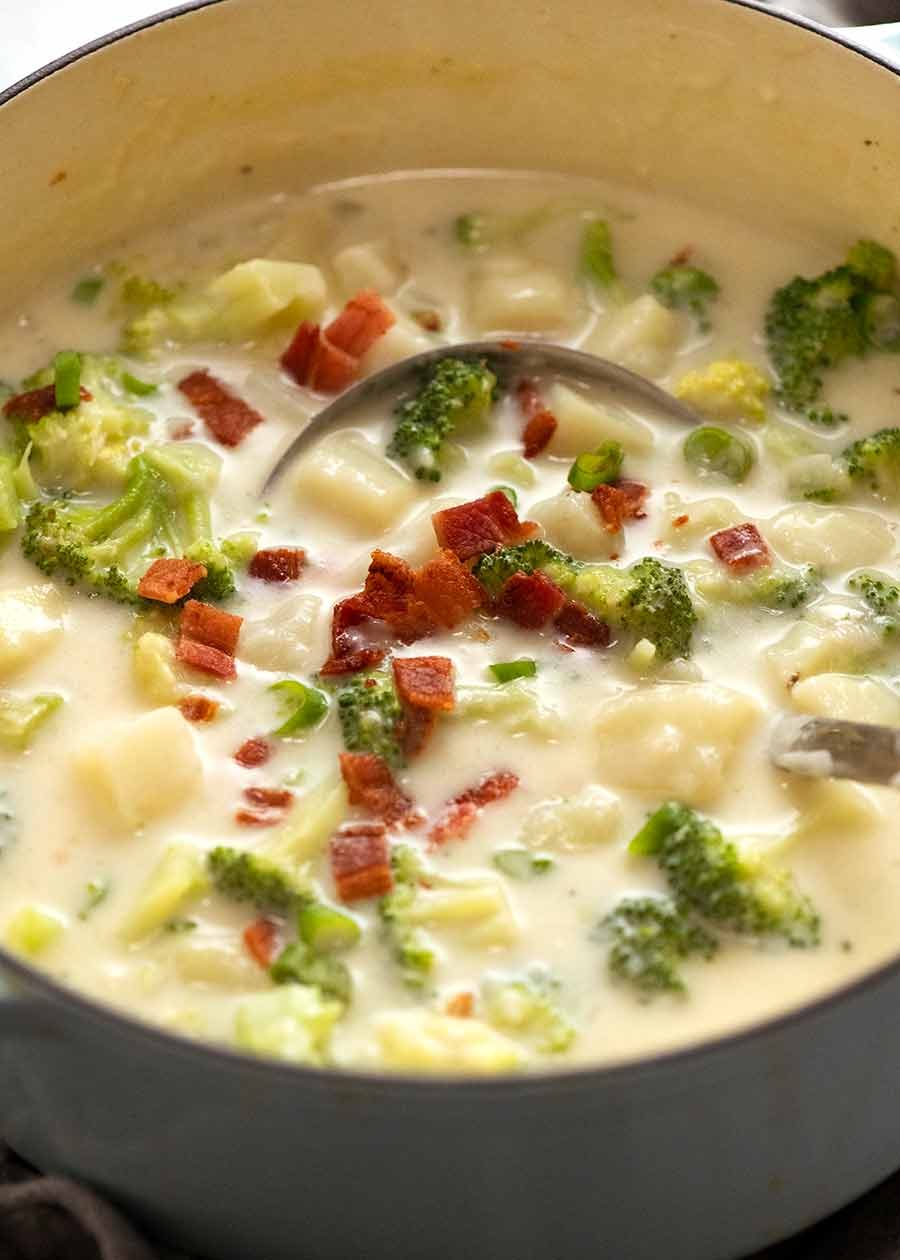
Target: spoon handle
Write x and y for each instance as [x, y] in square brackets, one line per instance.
[830, 748]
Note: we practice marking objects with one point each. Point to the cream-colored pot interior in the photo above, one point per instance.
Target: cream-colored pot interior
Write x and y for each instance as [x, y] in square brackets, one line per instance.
[701, 97]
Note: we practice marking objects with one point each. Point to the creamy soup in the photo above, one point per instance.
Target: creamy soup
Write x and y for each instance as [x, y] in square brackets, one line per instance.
[499, 798]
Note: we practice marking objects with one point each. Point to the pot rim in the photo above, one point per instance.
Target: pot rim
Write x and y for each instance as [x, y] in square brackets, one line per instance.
[345, 1080]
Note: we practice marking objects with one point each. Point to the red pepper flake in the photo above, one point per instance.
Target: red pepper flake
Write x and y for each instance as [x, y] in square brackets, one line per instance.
[372, 786]
[34, 404]
[198, 708]
[209, 660]
[167, 581]
[227, 417]
[254, 752]
[482, 525]
[461, 812]
[278, 564]
[530, 600]
[361, 861]
[679, 521]
[262, 939]
[581, 627]
[742, 548]
[212, 626]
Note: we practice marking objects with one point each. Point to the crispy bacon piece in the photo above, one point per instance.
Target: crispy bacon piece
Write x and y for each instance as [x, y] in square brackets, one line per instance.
[262, 939]
[168, 581]
[257, 817]
[540, 424]
[461, 1005]
[34, 404]
[742, 548]
[204, 624]
[371, 785]
[208, 659]
[461, 812]
[579, 626]
[425, 682]
[619, 502]
[268, 797]
[254, 752]
[530, 600]
[636, 495]
[227, 417]
[197, 708]
[482, 525]
[363, 320]
[278, 564]
[328, 360]
[416, 729]
[361, 861]
[447, 589]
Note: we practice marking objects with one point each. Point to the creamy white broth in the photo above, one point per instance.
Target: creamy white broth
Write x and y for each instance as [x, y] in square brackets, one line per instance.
[850, 869]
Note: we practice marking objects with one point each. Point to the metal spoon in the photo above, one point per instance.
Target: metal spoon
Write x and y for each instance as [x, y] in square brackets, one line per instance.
[520, 358]
[829, 748]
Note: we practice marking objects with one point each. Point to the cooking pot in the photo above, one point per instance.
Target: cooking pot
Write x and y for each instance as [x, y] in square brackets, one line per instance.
[703, 1154]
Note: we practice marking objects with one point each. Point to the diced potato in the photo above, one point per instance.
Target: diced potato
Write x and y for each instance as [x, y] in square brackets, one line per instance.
[848, 697]
[177, 879]
[834, 637]
[674, 739]
[816, 474]
[140, 769]
[512, 294]
[414, 540]
[314, 818]
[425, 1041]
[478, 907]
[515, 707]
[30, 625]
[829, 807]
[32, 930]
[571, 521]
[642, 336]
[223, 964]
[349, 479]
[401, 341]
[263, 292]
[583, 425]
[512, 466]
[369, 265]
[284, 638]
[592, 817]
[293, 1022]
[704, 517]
[831, 538]
[154, 669]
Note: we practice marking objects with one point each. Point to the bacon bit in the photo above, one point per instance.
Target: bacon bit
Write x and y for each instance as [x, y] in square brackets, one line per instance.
[447, 589]
[636, 495]
[461, 812]
[227, 417]
[278, 564]
[208, 659]
[371, 785]
[328, 360]
[58, 177]
[262, 939]
[425, 682]
[363, 320]
[181, 429]
[430, 320]
[204, 624]
[461, 1005]
[482, 525]
[254, 752]
[34, 404]
[270, 798]
[257, 817]
[509, 343]
[678, 521]
[683, 256]
[742, 548]
[620, 502]
[530, 600]
[541, 422]
[579, 625]
[361, 861]
[416, 728]
[197, 708]
[168, 581]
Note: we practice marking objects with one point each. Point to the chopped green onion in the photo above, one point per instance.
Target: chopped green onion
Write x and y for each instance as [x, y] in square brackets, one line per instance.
[326, 929]
[596, 256]
[179, 926]
[297, 965]
[506, 671]
[304, 705]
[67, 379]
[97, 890]
[136, 386]
[509, 492]
[597, 468]
[520, 864]
[87, 290]
[712, 450]
[469, 230]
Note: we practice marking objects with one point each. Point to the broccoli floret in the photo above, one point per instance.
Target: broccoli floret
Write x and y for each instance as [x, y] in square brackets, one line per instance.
[728, 389]
[142, 292]
[683, 287]
[163, 511]
[649, 938]
[710, 877]
[777, 588]
[496, 567]
[298, 964]
[370, 715]
[454, 392]
[882, 595]
[242, 876]
[657, 606]
[408, 943]
[529, 1004]
[814, 324]
[875, 461]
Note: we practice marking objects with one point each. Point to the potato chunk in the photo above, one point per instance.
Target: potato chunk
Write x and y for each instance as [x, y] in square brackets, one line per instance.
[349, 479]
[425, 1041]
[516, 295]
[688, 524]
[369, 265]
[848, 697]
[284, 638]
[30, 625]
[833, 539]
[674, 739]
[583, 425]
[642, 336]
[834, 637]
[263, 292]
[572, 522]
[592, 817]
[140, 769]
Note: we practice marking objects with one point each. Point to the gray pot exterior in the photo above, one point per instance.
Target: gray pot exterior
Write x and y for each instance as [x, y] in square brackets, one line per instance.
[702, 1156]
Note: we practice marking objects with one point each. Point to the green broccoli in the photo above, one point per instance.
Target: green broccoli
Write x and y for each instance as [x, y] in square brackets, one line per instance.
[710, 877]
[528, 1004]
[814, 324]
[164, 510]
[875, 461]
[453, 392]
[595, 259]
[298, 964]
[408, 943]
[242, 876]
[494, 568]
[777, 587]
[370, 715]
[882, 595]
[683, 287]
[649, 938]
